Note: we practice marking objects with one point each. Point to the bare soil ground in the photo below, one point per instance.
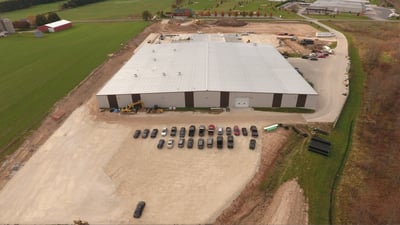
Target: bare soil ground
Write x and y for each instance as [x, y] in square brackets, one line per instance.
[73, 176]
[286, 206]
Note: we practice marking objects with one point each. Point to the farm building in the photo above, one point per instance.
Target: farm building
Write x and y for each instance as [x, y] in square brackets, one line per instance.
[336, 6]
[183, 12]
[56, 26]
[208, 74]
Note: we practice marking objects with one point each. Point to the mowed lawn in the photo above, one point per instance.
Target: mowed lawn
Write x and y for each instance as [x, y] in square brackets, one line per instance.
[111, 9]
[36, 72]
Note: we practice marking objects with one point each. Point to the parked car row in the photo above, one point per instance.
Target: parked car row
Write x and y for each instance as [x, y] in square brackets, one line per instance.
[202, 130]
[202, 143]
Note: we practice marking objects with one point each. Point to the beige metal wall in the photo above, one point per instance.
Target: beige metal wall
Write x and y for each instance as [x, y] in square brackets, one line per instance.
[289, 100]
[124, 100]
[255, 99]
[311, 102]
[164, 99]
[207, 99]
[102, 101]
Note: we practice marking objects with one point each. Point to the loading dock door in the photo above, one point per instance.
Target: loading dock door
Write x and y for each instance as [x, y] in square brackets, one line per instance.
[301, 100]
[224, 99]
[277, 101]
[112, 101]
[189, 99]
[135, 97]
[242, 102]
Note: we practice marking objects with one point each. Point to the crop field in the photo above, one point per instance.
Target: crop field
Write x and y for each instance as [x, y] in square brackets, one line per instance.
[36, 72]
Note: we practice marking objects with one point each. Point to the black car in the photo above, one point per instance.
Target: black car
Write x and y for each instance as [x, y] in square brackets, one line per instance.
[161, 143]
[244, 131]
[252, 144]
[182, 132]
[228, 131]
[230, 141]
[220, 141]
[202, 130]
[190, 143]
[181, 143]
[173, 131]
[145, 133]
[154, 133]
[139, 209]
[254, 131]
[136, 134]
[200, 143]
[192, 130]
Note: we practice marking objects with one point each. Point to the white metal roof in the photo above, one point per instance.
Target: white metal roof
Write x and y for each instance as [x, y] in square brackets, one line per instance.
[57, 23]
[207, 66]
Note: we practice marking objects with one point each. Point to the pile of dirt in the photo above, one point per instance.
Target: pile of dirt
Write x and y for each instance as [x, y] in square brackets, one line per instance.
[230, 22]
[253, 206]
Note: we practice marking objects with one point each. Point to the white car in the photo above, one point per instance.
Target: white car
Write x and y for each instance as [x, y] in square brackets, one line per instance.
[170, 143]
[164, 132]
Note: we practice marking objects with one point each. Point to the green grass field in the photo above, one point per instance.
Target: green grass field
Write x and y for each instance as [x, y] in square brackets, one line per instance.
[36, 72]
[111, 9]
[316, 173]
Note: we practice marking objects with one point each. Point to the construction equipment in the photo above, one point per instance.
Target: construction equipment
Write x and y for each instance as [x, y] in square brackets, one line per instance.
[80, 222]
[155, 109]
[134, 106]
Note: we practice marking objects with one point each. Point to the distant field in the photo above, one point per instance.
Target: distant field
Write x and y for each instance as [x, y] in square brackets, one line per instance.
[36, 72]
[262, 6]
[23, 13]
[111, 9]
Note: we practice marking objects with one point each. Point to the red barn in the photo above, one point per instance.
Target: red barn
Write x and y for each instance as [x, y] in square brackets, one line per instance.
[56, 26]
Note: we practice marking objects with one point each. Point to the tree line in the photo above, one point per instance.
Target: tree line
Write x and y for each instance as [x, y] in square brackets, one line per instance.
[77, 3]
[11, 5]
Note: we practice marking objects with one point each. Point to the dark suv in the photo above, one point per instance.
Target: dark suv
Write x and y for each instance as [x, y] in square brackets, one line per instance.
[202, 130]
[230, 141]
[254, 132]
[154, 133]
[182, 132]
[220, 141]
[192, 131]
[200, 143]
[139, 209]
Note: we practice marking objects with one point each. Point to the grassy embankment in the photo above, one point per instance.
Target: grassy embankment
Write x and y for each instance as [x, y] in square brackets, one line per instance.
[315, 173]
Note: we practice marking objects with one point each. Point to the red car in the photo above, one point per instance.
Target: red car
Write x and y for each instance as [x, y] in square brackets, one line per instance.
[236, 130]
[211, 129]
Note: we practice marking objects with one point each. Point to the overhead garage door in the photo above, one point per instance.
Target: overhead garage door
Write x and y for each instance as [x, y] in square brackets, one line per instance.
[224, 99]
[277, 101]
[112, 100]
[301, 100]
[189, 99]
[135, 97]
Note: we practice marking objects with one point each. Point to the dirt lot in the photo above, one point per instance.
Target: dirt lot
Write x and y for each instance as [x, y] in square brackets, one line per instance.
[91, 168]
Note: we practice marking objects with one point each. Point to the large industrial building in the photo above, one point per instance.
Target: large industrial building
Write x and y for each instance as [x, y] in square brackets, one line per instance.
[208, 74]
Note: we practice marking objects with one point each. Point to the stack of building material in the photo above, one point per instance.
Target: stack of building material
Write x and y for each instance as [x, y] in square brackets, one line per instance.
[320, 146]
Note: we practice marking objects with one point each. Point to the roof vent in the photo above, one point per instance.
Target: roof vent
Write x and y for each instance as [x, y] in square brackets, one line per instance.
[155, 59]
[154, 51]
[135, 75]
[164, 74]
[179, 73]
[174, 49]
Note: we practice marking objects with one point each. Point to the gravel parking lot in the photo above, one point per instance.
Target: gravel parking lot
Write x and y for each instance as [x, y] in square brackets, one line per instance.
[96, 171]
